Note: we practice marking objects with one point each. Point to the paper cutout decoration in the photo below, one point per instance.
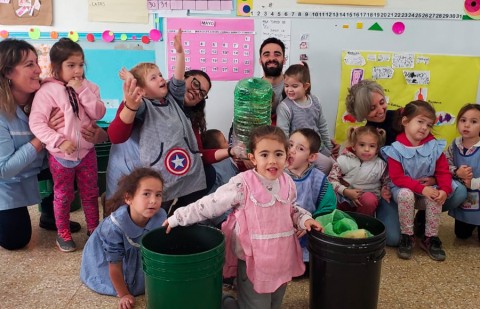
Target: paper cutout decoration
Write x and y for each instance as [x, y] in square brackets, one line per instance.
[417, 77]
[375, 27]
[359, 25]
[54, 35]
[34, 33]
[421, 94]
[472, 8]
[349, 118]
[354, 58]
[398, 27]
[356, 76]
[134, 37]
[73, 35]
[244, 7]
[108, 36]
[444, 118]
[382, 73]
[4, 34]
[90, 37]
[123, 37]
[155, 35]
[145, 39]
[404, 60]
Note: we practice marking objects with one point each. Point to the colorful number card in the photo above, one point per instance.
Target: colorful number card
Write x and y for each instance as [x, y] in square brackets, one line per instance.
[223, 48]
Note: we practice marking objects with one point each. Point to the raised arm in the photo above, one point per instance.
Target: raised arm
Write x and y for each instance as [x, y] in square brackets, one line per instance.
[179, 73]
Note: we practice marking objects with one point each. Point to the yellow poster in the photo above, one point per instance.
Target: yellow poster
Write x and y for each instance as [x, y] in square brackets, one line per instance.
[446, 82]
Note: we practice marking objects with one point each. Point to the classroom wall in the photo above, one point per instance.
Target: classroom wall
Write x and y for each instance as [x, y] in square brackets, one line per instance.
[327, 39]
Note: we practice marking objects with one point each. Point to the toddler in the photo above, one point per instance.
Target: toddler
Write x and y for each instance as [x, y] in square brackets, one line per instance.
[359, 177]
[71, 156]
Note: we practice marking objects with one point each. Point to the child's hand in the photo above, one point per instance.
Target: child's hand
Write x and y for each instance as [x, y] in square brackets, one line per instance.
[67, 147]
[353, 195]
[441, 198]
[313, 224]
[132, 93]
[386, 194]
[177, 42]
[167, 225]
[125, 74]
[126, 302]
[75, 83]
[430, 193]
[464, 172]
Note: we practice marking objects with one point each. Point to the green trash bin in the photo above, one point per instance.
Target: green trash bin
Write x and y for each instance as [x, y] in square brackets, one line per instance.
[103, 151]
[183, 269]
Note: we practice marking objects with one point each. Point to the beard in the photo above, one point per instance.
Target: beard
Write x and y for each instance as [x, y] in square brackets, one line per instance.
[272, 71]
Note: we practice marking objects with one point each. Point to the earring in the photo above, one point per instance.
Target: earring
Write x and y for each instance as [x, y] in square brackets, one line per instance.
[9, 82]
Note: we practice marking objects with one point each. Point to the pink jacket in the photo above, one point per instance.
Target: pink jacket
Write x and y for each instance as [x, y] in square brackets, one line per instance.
[53, 94]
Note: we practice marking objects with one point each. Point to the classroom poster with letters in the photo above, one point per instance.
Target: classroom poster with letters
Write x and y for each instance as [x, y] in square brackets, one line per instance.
[445, 81]
[222, 48]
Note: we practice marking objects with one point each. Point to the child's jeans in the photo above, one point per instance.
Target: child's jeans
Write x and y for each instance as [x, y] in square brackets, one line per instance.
[86, 176]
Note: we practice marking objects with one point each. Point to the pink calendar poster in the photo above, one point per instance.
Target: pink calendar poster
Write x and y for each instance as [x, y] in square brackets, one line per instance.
[223, 48]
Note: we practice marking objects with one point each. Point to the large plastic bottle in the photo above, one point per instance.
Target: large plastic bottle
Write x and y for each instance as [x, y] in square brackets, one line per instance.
[252, 107]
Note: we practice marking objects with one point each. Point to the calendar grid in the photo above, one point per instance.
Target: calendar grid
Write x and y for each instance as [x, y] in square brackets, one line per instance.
[222, 48]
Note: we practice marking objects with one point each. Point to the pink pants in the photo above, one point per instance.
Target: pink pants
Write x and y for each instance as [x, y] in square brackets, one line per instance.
[86, 176]
[406, 213]
[369, 203]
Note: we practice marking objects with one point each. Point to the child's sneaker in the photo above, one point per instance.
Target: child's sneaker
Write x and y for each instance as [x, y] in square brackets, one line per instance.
[433, 246]
[405, 248]
[65, 242]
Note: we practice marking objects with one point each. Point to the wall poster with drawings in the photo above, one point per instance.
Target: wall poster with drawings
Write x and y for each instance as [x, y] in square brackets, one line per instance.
[409, 76]
[222, 48]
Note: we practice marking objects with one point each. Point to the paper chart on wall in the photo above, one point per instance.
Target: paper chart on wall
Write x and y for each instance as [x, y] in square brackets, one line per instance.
[124, 11]
[280, 29]
[445, 81]
[197, 5]
[223, 48]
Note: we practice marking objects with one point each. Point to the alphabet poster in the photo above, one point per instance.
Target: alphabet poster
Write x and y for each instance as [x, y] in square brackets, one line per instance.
[222, 48]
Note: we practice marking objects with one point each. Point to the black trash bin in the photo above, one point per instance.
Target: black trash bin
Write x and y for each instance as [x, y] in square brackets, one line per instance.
[344, 272]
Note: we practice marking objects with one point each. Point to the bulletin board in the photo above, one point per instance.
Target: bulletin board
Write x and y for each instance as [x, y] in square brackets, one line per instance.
[447, 82]
[26, 12]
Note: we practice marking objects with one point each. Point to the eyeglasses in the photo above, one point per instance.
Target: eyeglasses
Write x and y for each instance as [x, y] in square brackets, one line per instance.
[196, 86]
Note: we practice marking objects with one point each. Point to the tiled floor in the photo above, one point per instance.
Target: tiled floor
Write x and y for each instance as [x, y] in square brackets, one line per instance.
[41, 276]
